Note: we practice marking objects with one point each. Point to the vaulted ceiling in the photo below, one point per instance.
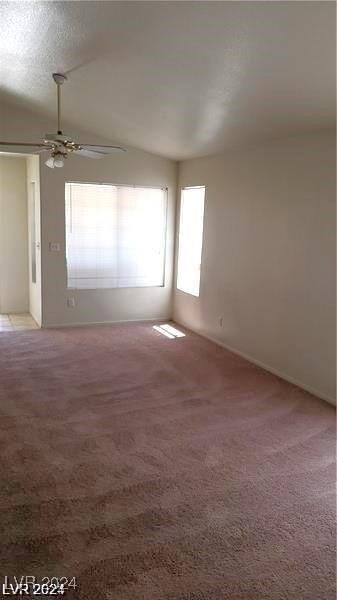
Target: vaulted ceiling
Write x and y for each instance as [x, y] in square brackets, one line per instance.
[180, 79]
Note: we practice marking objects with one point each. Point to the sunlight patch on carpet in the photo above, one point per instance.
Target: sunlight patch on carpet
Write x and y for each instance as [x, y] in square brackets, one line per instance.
[169, 331]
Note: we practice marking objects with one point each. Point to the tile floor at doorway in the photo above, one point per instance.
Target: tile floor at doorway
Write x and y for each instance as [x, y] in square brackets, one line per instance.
[16, 322]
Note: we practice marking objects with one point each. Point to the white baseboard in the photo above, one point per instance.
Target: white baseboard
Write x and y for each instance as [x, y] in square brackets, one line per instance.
[93, 323]
[264, 366]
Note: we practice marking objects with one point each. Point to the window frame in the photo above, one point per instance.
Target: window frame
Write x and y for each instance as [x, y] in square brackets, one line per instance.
[128, 185]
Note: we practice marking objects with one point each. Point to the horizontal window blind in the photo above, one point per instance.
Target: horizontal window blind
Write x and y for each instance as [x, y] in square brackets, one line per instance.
[115, 236]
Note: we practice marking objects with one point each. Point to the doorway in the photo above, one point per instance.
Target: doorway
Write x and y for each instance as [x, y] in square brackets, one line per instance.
[20, 260]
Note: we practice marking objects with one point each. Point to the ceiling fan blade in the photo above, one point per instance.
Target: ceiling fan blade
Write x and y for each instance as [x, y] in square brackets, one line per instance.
[102, 149]
[89, 153]
[26, 146]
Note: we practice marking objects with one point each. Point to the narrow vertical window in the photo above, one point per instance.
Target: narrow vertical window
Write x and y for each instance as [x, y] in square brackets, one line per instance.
[190, 239]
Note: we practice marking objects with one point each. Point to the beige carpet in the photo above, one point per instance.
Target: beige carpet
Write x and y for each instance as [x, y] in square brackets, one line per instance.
[158, 469]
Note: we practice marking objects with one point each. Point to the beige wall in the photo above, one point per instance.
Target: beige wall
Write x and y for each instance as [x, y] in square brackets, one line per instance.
[14, 291]
[268, 265]
[101, 305]
[134, 167]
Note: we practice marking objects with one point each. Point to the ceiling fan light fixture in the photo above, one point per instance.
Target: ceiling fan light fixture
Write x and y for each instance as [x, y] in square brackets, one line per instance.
[50, 162]
[56, 160]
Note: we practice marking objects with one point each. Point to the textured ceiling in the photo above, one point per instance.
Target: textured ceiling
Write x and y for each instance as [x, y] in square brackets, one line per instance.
[180, 79]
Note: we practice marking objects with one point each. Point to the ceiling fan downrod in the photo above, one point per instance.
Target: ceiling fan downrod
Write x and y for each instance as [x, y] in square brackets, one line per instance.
[59, 79]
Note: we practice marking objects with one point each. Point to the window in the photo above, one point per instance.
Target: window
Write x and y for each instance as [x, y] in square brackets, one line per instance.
[115, 236]
[190, 239]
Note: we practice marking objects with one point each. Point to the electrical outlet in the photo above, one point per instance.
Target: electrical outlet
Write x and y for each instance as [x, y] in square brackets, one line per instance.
[221, 321]
[54, 246]
[71, 302]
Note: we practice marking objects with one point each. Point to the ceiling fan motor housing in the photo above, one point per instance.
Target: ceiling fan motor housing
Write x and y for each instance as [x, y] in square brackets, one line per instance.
[56, 137]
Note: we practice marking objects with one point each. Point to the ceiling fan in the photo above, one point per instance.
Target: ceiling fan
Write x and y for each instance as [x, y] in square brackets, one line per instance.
[59, 145]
